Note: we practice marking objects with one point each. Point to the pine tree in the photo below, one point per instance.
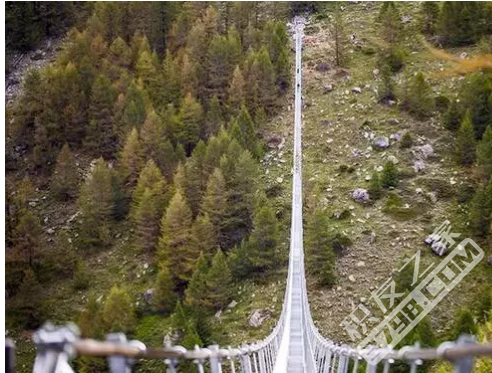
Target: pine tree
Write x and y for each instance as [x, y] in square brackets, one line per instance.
[236, 91]
[264, 240]
[118, 314]
[429, 17]
[281, 56]
[100, 137]
[27, 238]
[465, 141]
[214, 203]
[96, 204]
[196, 292]
[146, 217]
[119, 53]
[171, 79]
[475, 96]
[484, 154]
[164, 298]
[214, 119]
[189, 121]
[147, 67]
[339, 37]
[481, 210]
[65, 176]
[29, 305]
[204, 235]
[263, 75]
[321, 262]
[386, 85]
[175, 243]
[419, 98]
[134, 111]
[150, 178]
[131, 158]
[196, 178]
[452, 117]
[219, 282]
[375, 186]
[390, 22]
[243, 130]
[389, 177]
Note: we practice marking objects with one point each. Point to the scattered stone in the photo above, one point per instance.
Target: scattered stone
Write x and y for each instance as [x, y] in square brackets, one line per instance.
[146, 265]
[391, 158]
[379, 168]
[326, 123]
[361, 264]
[38, 55]
[406, 19]
[432, 196]
[395, 136]
[393, 121]
[258, 317]
[232, 304]
[50, 231]
[327, 88]
[489, 260]
[391, 102]
[352, 278]
[323, 67]
[425, 150]
[274, 140]
[357, 90]
[280, 180]
[452, 181]
[149, 295]
[463, 55]
[218, 314]
[363, 299]
[419, 191]
[380, 142]
[342, 73]
[419, 165]
[375, 72]
[368, 178]
[360, 195]
[99, 299]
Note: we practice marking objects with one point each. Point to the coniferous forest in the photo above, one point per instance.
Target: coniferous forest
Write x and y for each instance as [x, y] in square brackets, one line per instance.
[148, 184]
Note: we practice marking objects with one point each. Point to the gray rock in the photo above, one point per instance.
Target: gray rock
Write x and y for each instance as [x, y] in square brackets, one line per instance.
[258, 317]
[218, 314]
[149, 295]
[322, 67]
[280, 180]
[380, 142]
[357, 90]
[361, 264]
[391, 158]
[393, 121]
[50, 231]
[327, 88]
[425, 151]
[395, 136]
[463, 55]
[38, 55]
[375, 72]
[352, 278]
[326, 123]
[391, 102]
[232, 304]
[419, 165]
[360, 195]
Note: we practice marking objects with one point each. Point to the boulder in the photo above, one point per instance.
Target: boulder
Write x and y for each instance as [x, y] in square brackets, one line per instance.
[352, 278]
[258, 317]
[419, 165]
[425, 151]
[391, 158]
[360, 195]
[149, 295]
[274, 140]
[357, 90]
[380, 142]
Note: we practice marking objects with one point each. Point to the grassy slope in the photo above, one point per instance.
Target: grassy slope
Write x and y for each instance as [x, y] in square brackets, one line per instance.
[326, 147]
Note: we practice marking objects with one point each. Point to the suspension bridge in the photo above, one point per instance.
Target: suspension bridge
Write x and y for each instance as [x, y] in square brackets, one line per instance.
[294, 345]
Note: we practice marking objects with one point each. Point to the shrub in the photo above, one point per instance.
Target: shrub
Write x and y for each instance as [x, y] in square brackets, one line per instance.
[81, 279]
[406, 141]
[394, 57]
[390, 175]
[394, 206]
[463, 324]
[442, 103]
[419, 99]
[375, 186]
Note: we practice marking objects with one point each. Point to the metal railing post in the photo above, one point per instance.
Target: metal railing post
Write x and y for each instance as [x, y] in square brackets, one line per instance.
[464, 364]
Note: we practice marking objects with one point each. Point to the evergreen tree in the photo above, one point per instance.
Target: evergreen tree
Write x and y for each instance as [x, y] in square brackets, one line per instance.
[29, 306]
[131, 158]
[389, 177]
[452, 117]
[164, 298]
[236, 91]
[321, 262]
[263, 75]
[484, 154]
[214, 119]
[461, 23]
[119, 53]
[280, 56]
[219, 282]
[263, 240]
[475, 96]
[147, 67]
[90, 319]
[96, 204]
[146, 217]
[215, 202]
[118, 313]
[463, 324]
[189, 121]
[100, 136]
[196, 178]
[204, 235]
[175, 243]
[419, 99]
[196, 292]
[375, 186]
[339, 37]
[134, 111]
[150, 178]
[429, 17]
[243, 130]
[465, 141]
[481, 210]
[386, 85]
[390, 22]
[27, 238]
[65, 176]
[171, 80]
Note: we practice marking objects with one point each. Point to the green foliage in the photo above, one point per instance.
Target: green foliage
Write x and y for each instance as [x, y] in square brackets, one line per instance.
[389, 177]
[81, 279]
[392, 58]
[452, 118]
[389, 17]
[465, 142]
[27, 238]
[204, 235]
[394, 206]
[164, 297]
[219, 282]
[386, 85]
[476, 96]
[375, 187]
[118, 314]
[65, 177]
[321, 257]
[429, 17]
[339, 37]
[419, 99]
[131, 158]
[96, 202]
[481, 210]
[196, 292]
[484, 154]
[463, 324]
[406, 141]
[189, 121]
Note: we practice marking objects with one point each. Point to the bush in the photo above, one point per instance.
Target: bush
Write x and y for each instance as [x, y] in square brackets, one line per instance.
[375, 186]
[394, 57]
[441, 187]
[419, 99]
[81, 279]
[442, 103]
[463, 324]
[394, 206]
[406, 141]
[390, 175]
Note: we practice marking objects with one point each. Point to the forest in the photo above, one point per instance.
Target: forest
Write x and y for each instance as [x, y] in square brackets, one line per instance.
[143, 193]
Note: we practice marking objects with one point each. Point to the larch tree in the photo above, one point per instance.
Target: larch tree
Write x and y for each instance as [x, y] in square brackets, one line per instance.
[419, 97]
[214, 119]
[118, 313]
[131, 158]
[214, 203]
[243, 130]
[219, 282]
[452, 117]
[204, 235]
[465, 141]
[164, 298]
[196, 292]
[484, 154]
[196, 178]
[189, 122]
[263, 241]
[339, 37]
[175, 243]
[264, 74]
[236, 91]
[96, 204]
[100, 136]
[65, 177]
[27, 238]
